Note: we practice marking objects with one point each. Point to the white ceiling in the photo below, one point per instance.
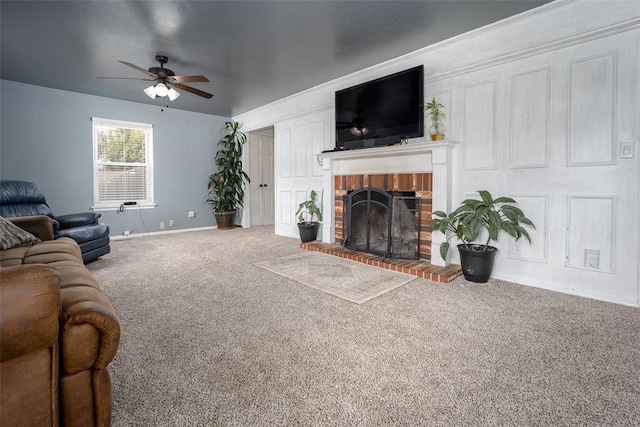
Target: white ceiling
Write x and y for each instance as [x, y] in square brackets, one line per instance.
[253, 52]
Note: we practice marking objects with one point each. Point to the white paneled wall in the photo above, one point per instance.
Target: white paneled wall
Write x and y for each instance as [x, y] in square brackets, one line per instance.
[546, 130]
[297, 143]
[541, 104]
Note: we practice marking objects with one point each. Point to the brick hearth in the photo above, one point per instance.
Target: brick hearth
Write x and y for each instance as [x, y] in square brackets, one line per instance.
[420, 268]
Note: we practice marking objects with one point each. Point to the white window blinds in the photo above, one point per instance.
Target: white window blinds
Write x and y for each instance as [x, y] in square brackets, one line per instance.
[122, 162]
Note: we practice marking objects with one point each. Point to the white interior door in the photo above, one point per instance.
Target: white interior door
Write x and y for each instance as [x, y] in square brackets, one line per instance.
[262, 179]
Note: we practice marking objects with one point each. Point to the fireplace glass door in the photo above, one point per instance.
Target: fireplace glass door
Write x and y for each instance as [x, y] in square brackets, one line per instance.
[383, 223]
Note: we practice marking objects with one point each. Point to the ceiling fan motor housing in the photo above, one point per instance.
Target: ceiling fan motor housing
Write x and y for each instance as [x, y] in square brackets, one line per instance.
[162, 73]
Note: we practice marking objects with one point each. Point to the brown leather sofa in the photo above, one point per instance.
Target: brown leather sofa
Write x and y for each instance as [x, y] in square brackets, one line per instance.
[58, 334]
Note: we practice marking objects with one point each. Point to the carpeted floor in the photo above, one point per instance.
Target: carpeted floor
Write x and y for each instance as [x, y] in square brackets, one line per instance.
[208, 338]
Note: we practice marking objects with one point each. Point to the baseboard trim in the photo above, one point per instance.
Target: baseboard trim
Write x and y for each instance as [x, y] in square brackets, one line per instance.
[155, 233]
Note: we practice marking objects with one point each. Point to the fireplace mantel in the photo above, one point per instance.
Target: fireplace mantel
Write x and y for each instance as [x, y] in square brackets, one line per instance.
[414, 157]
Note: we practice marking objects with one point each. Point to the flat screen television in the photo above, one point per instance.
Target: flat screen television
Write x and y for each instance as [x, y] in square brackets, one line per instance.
[381, 112]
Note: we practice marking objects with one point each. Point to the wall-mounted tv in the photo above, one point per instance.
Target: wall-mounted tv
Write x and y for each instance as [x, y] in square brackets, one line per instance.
[381, 112]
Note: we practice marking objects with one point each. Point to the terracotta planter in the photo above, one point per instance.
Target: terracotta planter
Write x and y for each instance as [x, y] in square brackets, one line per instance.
[476, 263]
[437, 136]
[225, 220]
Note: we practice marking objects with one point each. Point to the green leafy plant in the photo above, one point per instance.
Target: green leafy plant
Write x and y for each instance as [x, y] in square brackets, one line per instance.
[434, 109]
[473, 216]
[309, 209]
[226, 186]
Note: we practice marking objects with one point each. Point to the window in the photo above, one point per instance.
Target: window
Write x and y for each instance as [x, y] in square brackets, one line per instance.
[122, 163]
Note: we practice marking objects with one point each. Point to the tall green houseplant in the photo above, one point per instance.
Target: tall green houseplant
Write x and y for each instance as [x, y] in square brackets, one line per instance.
[226, 185]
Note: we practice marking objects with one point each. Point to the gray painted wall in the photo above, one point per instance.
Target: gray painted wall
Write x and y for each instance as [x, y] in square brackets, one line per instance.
[46, 138]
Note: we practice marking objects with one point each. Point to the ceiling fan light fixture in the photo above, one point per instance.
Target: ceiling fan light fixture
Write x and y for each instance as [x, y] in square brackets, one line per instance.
[173, 94]
[151, 92]
[161, 90]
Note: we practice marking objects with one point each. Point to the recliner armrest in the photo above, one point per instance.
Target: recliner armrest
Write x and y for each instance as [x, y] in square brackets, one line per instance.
[30, 303]
[40, 226]
[77, 219]
[90, 329]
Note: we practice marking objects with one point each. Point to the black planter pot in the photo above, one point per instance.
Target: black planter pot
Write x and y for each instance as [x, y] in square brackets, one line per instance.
[308, 231]
[477, 264]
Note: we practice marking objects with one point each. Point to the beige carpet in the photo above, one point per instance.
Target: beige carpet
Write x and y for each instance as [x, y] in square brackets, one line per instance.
[343, 278]
[210, 339]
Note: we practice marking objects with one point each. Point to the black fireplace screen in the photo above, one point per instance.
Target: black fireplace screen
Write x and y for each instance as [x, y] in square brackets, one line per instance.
[383, 223]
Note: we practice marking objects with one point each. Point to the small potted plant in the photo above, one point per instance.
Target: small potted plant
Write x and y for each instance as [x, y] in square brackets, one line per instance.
[434, 110]
[307, 211]
[226, 186]
[469, 220]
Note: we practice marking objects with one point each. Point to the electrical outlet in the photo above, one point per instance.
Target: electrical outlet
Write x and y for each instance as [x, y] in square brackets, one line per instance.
[161, 225]
[171, 223]
[126, 232]
[626, 150]
[192, 214]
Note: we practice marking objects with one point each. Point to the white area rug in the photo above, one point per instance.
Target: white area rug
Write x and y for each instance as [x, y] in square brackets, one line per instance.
[343, 278]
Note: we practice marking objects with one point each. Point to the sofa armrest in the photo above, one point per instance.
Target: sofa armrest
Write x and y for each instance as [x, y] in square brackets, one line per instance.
[77, 219]
[90, 332]
[29, 309]
[40, 226]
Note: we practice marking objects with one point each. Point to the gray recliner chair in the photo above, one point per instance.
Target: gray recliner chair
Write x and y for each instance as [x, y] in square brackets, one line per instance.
[23, 198]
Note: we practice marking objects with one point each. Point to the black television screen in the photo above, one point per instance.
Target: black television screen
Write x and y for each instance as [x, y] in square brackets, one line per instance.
[381, 112]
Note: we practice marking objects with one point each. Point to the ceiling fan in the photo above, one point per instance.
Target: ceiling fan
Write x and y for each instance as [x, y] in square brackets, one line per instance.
[165, 78]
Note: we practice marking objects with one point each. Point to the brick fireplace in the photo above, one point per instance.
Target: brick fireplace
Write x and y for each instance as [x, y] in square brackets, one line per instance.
[418, 183]
[422, 167]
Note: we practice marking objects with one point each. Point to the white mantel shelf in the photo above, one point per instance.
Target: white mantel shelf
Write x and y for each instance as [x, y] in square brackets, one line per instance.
[414, 157]
[412, 148]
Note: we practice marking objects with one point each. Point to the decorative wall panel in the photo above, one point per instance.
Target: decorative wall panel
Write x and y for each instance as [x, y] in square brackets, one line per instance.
[284, 141]
[592, 100]
[318, 142]
[591, 232]
[536, 208]
[300, 196]
[286, 211]
[530, 119]
[480, 126]
[300, 143]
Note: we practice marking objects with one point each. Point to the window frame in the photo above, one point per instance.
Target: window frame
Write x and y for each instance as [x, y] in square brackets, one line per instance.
[147, 128]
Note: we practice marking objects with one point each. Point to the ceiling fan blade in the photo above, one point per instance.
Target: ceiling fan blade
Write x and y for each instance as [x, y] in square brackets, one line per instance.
[194, 90]
[126, 78]
[182, 79]
[138, 68]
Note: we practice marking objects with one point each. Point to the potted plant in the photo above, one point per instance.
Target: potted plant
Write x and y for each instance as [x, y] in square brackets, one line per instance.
[307, 210]
[434, 109]
[469, 220]
[226, 186]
